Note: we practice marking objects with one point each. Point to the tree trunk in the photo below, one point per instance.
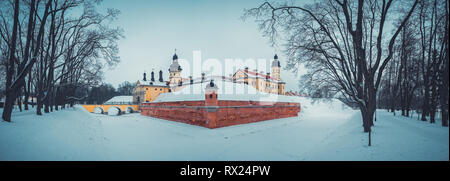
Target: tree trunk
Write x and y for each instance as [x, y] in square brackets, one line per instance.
[39, 104]
[11, 94]
[46, 105]
[19, 102]
[26, 95]
[7, 110]
[433, 107]
[444, 93]
[426, 102]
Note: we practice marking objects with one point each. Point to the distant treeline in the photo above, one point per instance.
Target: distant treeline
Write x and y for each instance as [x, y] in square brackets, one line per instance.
[104, 92]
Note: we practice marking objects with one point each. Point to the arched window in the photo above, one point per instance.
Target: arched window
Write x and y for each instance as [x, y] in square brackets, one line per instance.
[210, 96]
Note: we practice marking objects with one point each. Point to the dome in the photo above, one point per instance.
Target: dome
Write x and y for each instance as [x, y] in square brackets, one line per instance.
[211, 85]
[175, 67]
[276, 63]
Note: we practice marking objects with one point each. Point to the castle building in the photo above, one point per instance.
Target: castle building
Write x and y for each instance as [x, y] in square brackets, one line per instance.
[262, 82]
[147, 91]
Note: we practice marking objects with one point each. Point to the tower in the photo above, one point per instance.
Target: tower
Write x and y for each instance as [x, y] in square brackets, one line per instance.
[211, 102]
[276, 68]
[175, 71]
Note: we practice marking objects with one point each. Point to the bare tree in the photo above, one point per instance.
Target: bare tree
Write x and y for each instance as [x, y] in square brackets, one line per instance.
[419, 64]
[443, 74]
[63, 50]
[10, 66]
[339, 41]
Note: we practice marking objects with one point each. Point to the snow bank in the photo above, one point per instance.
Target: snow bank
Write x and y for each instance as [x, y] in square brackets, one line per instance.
[324, 130]
[67, 134]
[120, 99]
[394, 138]
[113, 111]
[98, 110]
[323, 106]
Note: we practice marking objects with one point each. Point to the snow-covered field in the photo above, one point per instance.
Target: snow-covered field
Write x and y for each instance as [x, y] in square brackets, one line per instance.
[324, 130]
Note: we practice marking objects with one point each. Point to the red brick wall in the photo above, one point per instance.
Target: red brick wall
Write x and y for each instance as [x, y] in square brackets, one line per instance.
[222, 116]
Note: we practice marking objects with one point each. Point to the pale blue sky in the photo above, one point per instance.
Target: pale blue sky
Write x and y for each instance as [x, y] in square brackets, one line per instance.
[153, 29]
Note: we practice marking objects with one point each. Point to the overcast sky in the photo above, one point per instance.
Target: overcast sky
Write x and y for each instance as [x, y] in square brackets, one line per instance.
[153, 29]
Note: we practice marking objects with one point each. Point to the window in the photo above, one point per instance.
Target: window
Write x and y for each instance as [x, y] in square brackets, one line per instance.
[210, 96]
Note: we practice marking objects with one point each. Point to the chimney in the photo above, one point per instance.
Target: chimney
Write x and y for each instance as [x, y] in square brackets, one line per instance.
[160, 76]
[246, 69]
[203, 77]
[191, 80]
[153, 77]
[268, 75]
[145, 77]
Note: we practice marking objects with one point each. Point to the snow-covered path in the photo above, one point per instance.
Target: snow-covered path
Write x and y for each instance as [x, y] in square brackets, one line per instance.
[322, 131]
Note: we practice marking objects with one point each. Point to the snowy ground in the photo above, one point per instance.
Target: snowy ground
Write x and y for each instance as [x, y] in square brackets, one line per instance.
[323, 131]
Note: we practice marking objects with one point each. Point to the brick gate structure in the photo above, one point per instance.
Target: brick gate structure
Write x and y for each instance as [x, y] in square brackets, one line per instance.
[214, 113]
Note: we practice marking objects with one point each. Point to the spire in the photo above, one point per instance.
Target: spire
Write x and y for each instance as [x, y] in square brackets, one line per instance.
[175, 56]
[175, 67]
[145, 76]
[153, 76]
[160, 76]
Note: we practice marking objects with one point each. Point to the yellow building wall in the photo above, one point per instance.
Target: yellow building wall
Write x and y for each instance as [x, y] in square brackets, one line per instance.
[148, 93]
[153, 92]
[276, 73]
[262, 84]
[281, 89]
